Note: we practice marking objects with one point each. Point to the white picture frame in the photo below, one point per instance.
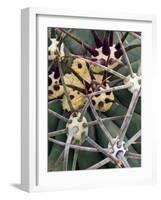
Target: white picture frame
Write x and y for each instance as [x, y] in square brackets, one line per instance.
[33, 158]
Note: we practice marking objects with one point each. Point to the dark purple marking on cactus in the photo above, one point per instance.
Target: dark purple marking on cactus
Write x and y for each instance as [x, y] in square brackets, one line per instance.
[60, 82]
[93, 102]
[79, 65]
[111, 38]
[108, 93]
[49, 81]
[49, 72]
[118, 53]
[92, 51]
[117, 46]
[97, 40]
[105, 49]
[100, 104]
[107, 100]
[94, 59]
[71, 96]
[111, 60]
[56, 74]
[56, 87]
[102, 61]
[50, 92]
[49, 53]
[97, 95]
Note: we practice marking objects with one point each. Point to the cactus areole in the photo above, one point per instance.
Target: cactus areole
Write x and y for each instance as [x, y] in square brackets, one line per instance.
[75, 120]
[116, 148]
[133, 82]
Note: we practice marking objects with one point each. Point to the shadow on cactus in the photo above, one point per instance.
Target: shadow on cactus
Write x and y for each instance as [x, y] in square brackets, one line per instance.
[94, 99]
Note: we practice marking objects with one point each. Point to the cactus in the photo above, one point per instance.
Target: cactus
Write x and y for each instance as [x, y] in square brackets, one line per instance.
[94, 99]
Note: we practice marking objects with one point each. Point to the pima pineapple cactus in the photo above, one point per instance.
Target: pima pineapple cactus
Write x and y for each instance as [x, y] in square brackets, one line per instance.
[94, 99]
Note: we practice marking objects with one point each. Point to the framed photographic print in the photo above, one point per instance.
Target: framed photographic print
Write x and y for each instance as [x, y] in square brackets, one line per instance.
[86, 99]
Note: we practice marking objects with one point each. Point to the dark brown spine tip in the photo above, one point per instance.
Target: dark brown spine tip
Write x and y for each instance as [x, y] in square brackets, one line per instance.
[104, 78]
[106, 49]
[111, 38]
[118, 53]
[88, 65]
[117, 46]
[124, 37]
[87, 85]
[97, 40]
[92, 51]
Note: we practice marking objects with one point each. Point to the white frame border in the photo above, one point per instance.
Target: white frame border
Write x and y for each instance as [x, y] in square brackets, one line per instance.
[29, 88]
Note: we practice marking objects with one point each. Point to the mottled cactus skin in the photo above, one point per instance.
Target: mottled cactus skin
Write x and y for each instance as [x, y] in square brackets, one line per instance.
[86, 96]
